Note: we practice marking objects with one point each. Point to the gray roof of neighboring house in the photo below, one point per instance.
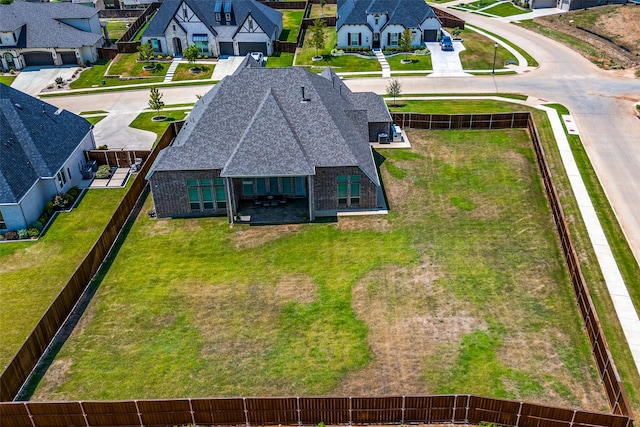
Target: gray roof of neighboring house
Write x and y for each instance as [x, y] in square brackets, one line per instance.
[42, 26]
[255, 123]
[36, 139]
[267, 18]
[408, 13]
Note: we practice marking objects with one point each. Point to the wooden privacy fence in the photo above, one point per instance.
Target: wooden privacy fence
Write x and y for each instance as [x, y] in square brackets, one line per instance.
[457, 409]
[611, 382]
[118, 158]
[125, 43]
[17, 371]
[447, 19]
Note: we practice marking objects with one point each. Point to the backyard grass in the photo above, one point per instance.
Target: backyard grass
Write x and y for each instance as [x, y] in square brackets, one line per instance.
[506, 9]
[117, 28]
[279, 60]
[461, 287]
[479, 50]
[530, 60]
[453, 106]
[419, 62]
[33, 273]
[95, 119]
[291, 20]
[126, 65]
[144, 122]
[183, 73]
[340, 64]
[7, 79]
[320, 12]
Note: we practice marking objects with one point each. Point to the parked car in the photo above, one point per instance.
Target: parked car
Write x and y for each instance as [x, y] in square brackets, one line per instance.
[446, 43]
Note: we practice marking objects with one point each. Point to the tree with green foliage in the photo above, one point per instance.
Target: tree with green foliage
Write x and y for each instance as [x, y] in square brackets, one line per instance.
[317, 34]
[191, 53]
[404, 43]
[145, 51]
[455, 32]
[155, 100]
[322, 3]
[6, 1]
[394, 89]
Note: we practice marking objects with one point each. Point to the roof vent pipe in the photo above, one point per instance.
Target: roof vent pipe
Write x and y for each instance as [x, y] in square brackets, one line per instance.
[304, 99]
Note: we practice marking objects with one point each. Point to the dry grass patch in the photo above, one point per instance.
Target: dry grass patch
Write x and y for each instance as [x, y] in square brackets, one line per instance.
[247, 237]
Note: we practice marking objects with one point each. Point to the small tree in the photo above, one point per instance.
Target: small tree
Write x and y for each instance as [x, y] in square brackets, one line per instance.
[155, 100]
[317, 34]
[322, 3]
[191, 53]
[394, 89]
[405, 42]
[146, 51]
[455, 32]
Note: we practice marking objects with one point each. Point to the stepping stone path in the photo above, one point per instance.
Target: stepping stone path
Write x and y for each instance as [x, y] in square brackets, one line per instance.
[386, 69]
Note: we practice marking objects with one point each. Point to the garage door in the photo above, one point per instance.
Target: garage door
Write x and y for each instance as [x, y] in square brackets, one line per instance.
[226, 48]
[244, 48]
[36, 59]
[68, 58]
[430, 35]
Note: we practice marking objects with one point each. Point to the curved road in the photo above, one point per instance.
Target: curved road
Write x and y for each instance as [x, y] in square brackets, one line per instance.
[602, 104]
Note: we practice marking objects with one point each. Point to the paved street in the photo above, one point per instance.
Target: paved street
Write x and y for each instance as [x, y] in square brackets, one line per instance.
[602, 104]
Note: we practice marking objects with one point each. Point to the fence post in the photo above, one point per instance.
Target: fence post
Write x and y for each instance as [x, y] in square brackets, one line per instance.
[299, 411]
[513, 117]
[403, 406]
[573, 418]
[595, 341]
[33, 423]
[350, 411]
[491, 121]
[466, 411]
[84, 414]
[138, 412]
[519, 415]
[193, 417]
[246, 412]
[455, 397]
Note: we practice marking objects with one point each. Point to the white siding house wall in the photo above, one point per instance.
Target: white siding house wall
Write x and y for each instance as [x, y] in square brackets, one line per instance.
[343, 34]
[391, 29]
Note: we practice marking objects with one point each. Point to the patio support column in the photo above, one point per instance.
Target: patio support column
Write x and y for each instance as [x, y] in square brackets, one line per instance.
[310, 193]
[228, 189]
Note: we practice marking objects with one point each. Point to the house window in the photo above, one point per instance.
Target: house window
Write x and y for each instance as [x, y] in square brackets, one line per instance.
[354, 39]
[202, 191]
[3, 225]
[393, 39]
[155, 45]
[69, 173]
[202, 43]
[184, 13]
[348, 190]
[247, 187]
[227, 17]
[376, 20]
[287, 188]
[250, 24]
[62, 178]
[218, 18]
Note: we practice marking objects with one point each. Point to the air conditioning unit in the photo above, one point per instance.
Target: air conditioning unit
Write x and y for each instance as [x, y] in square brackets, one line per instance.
[397, 134]
[383, 138]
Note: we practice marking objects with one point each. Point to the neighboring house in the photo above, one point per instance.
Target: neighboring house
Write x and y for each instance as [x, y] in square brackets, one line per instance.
[39, 34]
[378, 24]
[41, 154]
[217, 27]
[273, 133]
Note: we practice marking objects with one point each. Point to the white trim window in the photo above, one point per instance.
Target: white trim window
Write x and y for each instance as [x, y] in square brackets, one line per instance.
[393, 39]
[62, 178]
[348, 190]
[354, 39]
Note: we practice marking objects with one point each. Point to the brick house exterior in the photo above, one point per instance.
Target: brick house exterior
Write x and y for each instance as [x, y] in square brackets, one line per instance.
[273, 136]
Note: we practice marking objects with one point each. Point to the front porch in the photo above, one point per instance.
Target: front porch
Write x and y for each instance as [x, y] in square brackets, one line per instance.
[274, 211]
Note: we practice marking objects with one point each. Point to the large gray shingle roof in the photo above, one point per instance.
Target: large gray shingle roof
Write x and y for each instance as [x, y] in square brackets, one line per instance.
[409, 13]
[42, 26]
[267, 18]
[255, 123]
[35, 141]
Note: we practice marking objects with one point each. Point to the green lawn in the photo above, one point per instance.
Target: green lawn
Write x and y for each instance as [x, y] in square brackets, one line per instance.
[478, 4]
[183, 73]
[506, 9]
[479, 50]
[94, 77]
[94, 120]
[454, 106]
[419, 62]
[291, 20]
[7, 79]
[144, 122]
[117, 28]
[530, 60]
[344, 63]
[126, 65]
[460, 288]
[279, 60]
[33, 273]
[320, 12]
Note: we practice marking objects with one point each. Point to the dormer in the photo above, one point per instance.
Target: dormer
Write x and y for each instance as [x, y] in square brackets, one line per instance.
[217, 11]
[227, 12]
[377, 19]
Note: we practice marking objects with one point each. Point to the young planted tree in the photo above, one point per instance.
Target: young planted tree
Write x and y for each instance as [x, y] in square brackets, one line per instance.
[322, 3]
[394, 90]
[317, 35]
[145, 52]
[191, 53]
[155, 101]
[455, 32]
[404, 43]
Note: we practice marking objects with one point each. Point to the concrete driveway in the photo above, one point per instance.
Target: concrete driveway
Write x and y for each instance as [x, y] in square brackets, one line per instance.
[32, 80]
[114, 131]
[446, 63]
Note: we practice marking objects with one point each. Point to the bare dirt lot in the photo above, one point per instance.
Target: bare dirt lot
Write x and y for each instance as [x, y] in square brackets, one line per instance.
[619, 24]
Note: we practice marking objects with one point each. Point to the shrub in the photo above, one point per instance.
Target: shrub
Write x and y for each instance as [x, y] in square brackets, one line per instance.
[48, 209]
[33, 232]
[59, 201]
[102, 147]
[74, 192]
[12, 71]
[22, 233]
[1, 237]
[59, 80]
[87, 64]
[11, 235]
[104, 171]
[37, 225]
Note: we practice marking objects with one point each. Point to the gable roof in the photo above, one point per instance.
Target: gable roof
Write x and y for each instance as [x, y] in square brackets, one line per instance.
[42, 24]
[255, 123]
[408, 13]
[267, 18]
[36, 139]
